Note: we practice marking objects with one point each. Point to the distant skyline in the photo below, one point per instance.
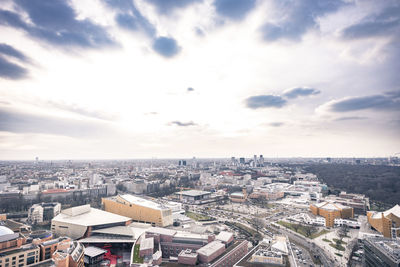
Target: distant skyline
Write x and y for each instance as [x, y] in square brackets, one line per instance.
[103, 79]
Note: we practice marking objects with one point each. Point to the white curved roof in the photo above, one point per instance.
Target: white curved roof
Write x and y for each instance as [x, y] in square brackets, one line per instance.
[5, 231]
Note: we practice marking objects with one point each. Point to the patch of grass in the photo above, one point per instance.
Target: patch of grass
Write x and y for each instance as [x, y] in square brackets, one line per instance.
[198, 216]
[305, 230]
[338, 247]
[136, 258]
[322, 232]
[326, 240]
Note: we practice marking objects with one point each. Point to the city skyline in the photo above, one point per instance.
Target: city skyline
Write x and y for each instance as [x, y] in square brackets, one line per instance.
[206, 78]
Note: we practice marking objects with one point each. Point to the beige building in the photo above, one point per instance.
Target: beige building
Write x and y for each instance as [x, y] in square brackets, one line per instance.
[139, 209]
[80, 221]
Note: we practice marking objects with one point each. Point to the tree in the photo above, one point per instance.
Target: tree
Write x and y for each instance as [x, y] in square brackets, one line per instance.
[258, 223]
[295, 227]
[309, 230]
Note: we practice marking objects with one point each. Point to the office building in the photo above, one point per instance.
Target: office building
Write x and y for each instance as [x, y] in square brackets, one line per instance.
[69, 253]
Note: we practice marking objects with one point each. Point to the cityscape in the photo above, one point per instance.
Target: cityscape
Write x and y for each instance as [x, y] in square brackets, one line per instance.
[205, 133]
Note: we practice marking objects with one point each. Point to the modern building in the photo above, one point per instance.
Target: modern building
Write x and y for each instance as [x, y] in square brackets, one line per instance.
[43, 212]
[93, 256]
[193, 196]
[78, 222]
[139, 209]
[47, 248]
[381, 252]
[69, 253]
[387, 222]
[330, 211]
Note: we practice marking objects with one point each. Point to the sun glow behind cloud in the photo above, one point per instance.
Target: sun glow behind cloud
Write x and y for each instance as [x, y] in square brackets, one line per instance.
[134, 101]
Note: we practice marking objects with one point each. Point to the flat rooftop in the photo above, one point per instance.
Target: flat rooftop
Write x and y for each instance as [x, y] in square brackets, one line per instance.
[90, 217]
[161, 231]
[210, 248]
[143, 202]
[193, 193]
[94, 251]
[147, 243]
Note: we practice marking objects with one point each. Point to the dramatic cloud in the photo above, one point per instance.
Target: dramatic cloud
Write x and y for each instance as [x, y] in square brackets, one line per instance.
[8, 50]
[385, 23]
[55, 22]
[9, 70]
[190, 89]
[234, 9]
[182, 124]
[165, 46]
[130, 18]
[265, 101]
[376, 102]
[21, 122]
[166, 6]
[298, 17]
[300, 91]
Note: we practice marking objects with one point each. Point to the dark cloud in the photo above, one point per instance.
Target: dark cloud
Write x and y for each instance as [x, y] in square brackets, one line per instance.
[265, 101]
[190, 89]
[130, 18]
[8, 50]
[276, 124]
[234, 9]
[300, 91]
[376, 102]
[22, 122]
[166, 47]
[182, 124]
[385, 23]
[55, 22]
[9, 70]
[81, 111]
[352, 118]
[298, 17]
[167, 6]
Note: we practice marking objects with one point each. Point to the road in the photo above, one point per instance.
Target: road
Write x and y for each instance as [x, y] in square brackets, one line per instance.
[326, 261]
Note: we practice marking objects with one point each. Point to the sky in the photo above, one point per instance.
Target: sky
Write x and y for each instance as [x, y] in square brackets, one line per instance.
[121, 79]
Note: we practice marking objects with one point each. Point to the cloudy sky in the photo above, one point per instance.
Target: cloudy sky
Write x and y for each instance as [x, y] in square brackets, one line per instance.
[206, 78]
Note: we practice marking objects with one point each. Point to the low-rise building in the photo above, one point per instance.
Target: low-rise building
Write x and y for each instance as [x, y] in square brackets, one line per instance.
[69, 254]
[43, 212]
[211, 251]
[187, 257]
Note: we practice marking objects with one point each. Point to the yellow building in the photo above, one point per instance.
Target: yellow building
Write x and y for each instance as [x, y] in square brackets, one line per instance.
[139, 209]
[330, 211]
[387, 222]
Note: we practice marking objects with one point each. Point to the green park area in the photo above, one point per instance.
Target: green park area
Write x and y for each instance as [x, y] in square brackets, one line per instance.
[198, 216]
[305, 230]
